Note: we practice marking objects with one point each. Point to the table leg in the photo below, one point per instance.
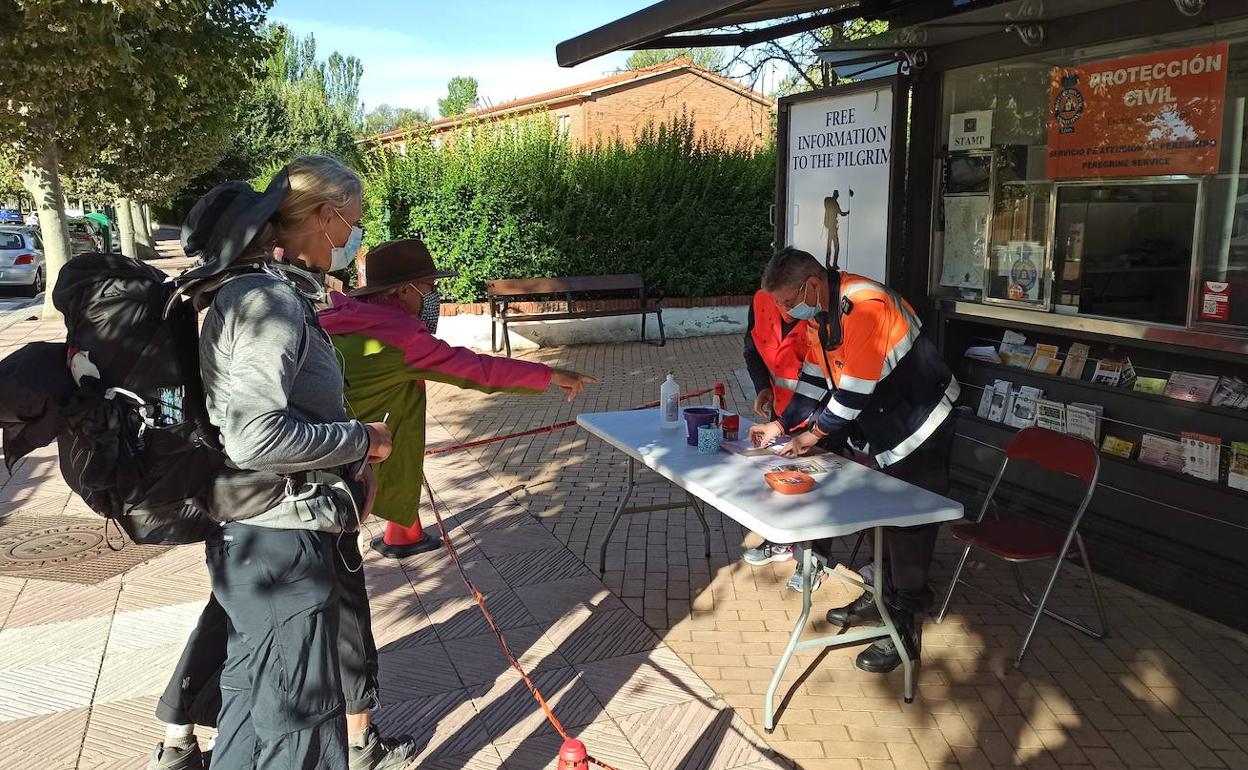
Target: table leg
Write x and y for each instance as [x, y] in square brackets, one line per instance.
[886, 616]
[696, 505]
[769, 714]
[615, 519]
[886, 629]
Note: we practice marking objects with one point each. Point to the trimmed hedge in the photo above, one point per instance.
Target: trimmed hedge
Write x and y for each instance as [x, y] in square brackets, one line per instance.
[516, 200]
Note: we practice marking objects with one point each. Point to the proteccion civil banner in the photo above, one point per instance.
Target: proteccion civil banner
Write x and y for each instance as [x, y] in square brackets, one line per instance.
[1149, 115]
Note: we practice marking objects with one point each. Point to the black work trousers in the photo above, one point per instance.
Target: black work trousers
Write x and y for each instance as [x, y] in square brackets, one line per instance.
[193, 695]
[908, 551]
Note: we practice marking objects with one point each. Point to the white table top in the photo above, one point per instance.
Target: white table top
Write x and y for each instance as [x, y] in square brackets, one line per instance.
[845, 500]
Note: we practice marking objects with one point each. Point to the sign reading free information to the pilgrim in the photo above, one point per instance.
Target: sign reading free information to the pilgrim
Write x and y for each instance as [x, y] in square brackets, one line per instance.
[838, 171]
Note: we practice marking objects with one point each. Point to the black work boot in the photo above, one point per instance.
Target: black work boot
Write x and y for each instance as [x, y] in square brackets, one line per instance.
[860, 612]
[882, 656]
[377, 753]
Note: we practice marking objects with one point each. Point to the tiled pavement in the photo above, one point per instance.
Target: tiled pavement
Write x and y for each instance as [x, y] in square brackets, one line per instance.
[81, 666]
[1167, 689]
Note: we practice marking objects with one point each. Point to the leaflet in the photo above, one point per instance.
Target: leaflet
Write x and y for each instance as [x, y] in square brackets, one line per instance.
[1201, 454]
[1162, 452]
[1197, 388]
[1084, 421]
[1076, 360]
[1237, 475]
[1051, 415]
[1022, 413]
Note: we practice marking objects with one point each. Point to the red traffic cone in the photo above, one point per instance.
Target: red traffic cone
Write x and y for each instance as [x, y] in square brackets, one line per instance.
[572, 755]
[400, 541]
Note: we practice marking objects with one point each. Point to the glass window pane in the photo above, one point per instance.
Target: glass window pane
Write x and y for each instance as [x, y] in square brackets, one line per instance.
[1125, 249]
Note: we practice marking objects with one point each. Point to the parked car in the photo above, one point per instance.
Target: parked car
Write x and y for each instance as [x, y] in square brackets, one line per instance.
[82, 237]
[21, 260]
[10, 217]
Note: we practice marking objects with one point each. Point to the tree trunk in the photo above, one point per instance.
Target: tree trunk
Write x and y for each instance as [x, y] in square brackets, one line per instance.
[125, 226]
[143, 245]
[42, 179]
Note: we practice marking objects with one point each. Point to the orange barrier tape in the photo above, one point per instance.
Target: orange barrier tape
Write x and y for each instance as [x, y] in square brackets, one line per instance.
[546, 429]
[502, 641]
[476, 594]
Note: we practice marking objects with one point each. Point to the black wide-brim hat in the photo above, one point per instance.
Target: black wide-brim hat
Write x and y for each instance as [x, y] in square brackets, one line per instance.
[223, 224]
[391, 264]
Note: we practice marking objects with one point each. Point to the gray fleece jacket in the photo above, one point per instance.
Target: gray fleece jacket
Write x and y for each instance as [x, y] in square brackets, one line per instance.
[274, 390]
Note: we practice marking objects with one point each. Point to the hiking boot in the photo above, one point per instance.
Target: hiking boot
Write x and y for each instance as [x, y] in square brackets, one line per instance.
[859, 612]
[177, 757]
[767, 553]
[379, 753]
[882, 656]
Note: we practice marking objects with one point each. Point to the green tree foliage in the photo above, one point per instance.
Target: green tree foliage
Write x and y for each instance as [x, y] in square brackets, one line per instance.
[299, 104]
[795, 55]
[516, 199]
[709, 58]
[384, 118]
[461, 96]
[81, 78]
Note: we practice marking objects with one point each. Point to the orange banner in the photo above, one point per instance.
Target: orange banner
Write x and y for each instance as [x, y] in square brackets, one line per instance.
[1156, 114]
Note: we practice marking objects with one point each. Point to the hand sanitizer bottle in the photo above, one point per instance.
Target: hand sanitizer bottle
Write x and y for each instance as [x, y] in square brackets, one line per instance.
[669, 402]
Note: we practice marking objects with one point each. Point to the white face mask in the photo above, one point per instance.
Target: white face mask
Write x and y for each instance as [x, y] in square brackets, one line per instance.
[341, 256]
[803, 312]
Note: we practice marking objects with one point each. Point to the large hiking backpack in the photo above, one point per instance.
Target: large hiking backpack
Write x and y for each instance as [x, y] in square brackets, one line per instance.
[137, 445]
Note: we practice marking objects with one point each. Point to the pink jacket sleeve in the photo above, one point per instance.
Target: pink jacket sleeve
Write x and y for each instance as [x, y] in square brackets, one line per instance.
[437, 360]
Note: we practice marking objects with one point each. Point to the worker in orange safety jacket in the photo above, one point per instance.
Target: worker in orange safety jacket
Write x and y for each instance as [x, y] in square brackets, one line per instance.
[891, 384]
[775, 349]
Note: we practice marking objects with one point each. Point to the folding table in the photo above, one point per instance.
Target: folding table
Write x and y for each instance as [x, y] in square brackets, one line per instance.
[845, 500]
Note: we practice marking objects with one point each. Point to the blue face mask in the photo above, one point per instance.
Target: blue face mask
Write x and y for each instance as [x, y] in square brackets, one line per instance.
[801, 311]
[341, 256]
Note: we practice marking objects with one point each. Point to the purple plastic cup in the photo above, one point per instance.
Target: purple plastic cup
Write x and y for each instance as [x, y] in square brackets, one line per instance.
[696, 417]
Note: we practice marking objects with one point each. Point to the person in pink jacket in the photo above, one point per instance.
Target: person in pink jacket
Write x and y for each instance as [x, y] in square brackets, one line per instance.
[384, 336]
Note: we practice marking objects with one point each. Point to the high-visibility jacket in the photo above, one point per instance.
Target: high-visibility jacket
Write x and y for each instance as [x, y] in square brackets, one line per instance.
[783, 354]
[885, 377]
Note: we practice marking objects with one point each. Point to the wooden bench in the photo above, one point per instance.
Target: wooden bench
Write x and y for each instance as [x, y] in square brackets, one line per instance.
[502, 293]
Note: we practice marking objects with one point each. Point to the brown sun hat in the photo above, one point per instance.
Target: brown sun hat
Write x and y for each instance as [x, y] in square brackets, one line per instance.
[394, 263]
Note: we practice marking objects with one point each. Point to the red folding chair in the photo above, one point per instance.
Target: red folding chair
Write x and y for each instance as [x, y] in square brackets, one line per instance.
[1019, 540]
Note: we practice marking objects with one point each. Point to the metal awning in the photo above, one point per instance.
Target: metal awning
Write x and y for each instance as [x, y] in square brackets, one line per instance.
[1023, 17]
[700, 23]
[668, 24]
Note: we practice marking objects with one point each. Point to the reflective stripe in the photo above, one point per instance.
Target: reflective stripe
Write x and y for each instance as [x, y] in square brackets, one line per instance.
[929, 426]
[810, 390]
[899, 351]
[842, 411]
[851, 289]
[856, 384]
[814, 370]
[785, 383]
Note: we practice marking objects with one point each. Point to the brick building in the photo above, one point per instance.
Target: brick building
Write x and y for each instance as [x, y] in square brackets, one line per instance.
[621, 104]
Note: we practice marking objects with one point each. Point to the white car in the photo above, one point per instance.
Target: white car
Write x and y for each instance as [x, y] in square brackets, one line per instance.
[21, 260]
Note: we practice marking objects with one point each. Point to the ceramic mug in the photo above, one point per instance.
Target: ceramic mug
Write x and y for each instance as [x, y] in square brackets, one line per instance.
[708, 439]
[695, 418]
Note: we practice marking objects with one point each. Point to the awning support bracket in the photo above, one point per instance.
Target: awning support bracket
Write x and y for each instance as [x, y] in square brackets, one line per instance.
[1032, 33]
[1190, 7]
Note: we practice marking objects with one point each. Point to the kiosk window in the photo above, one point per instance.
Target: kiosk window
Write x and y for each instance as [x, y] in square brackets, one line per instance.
[1125, 249]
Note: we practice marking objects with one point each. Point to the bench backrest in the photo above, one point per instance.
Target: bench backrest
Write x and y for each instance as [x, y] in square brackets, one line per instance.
[518, 287]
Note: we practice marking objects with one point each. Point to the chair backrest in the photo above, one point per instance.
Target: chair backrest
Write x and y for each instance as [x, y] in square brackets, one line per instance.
[1056, 452]
[516, 287]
